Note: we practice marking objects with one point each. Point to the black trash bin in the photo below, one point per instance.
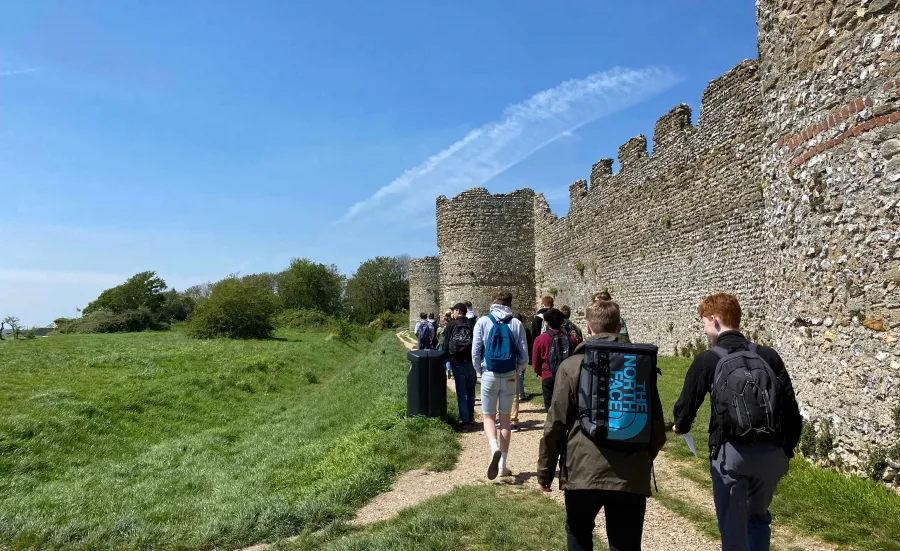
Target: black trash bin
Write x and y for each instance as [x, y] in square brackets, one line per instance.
[426, 384]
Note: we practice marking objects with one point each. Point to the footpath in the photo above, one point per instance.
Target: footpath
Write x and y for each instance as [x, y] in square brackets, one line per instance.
[664, 529]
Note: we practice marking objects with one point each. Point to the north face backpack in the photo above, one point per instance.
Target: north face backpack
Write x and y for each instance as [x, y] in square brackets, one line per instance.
[461, 339]
[616, 390]
[745, 394]
[560, 349]
[500, 348]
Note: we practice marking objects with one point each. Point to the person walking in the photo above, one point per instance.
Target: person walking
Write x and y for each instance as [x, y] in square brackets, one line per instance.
[537, 324]
[434, 330]
[424, 332]
[469, 312]
[551, 348]
[458, 338]
[445, 319]
[594, 475]
[569, 327]
[499, 353]
[754, 424]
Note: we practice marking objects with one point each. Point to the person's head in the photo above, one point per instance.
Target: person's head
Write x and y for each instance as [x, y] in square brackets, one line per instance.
[431, 316]
[554, 318]
[566, 311]
[447, 317]
[603, 317]
[503, 297]
[720, 312]
[468, 304]
[459, 309]
[423, 315]
[547, 302]
[602, 296]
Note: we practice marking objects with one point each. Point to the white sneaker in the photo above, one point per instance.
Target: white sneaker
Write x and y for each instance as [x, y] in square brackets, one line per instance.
[494, 467]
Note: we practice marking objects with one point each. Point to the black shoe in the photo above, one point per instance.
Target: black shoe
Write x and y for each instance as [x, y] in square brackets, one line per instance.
[494, 467]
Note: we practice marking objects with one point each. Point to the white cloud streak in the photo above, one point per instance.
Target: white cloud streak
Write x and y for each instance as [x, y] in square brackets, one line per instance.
[524, 129]
[15, 72]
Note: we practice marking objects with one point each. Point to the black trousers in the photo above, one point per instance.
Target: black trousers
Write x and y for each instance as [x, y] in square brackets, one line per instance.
[624, 519]
[547, 390]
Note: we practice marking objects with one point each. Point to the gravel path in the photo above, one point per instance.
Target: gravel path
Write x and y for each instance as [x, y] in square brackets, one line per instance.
[663, 529]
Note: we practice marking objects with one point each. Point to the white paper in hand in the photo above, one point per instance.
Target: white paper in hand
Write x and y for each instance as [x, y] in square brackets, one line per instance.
[690, 442]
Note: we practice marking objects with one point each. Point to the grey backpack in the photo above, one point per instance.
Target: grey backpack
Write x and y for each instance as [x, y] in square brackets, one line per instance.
[745, 394]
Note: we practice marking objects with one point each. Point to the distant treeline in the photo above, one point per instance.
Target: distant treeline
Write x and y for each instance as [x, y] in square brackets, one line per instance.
[251, 306]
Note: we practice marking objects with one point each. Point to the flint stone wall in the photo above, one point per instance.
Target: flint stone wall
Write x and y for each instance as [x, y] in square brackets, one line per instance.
[424, 288]
[786, 193]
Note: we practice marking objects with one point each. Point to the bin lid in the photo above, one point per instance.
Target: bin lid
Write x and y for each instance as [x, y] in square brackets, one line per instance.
[414, 354]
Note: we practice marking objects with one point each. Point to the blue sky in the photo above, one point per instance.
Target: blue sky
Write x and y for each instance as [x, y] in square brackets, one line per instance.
[203, 138]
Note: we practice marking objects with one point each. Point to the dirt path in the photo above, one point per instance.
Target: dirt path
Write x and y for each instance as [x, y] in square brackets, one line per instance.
[663, 529]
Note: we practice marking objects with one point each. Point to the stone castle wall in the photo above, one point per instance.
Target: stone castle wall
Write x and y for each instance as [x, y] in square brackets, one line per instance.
[831, 168]
[785, 193]
[424, 288]
[668, 228]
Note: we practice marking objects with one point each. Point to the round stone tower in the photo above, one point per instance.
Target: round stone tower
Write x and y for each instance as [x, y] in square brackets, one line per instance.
[424, 288]
[486, 243]
[831, 182]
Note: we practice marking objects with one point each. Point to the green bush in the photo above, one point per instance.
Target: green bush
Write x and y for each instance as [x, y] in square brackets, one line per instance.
[237, 309]
[300, 318]
[345, 330]
[105, 321]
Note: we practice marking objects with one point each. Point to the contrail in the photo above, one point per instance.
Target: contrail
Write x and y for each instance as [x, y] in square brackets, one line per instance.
[524, 129]
[19, 72]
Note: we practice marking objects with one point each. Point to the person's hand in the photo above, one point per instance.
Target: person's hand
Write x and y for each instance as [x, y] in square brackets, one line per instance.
[546, 488]
[675, 429]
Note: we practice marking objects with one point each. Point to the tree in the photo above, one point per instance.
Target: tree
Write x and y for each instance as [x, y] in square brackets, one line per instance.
[236, 308]
[197, 292]
[13, 324]
[309, 285]
[380, 284]
[176, 306]
[143, 290]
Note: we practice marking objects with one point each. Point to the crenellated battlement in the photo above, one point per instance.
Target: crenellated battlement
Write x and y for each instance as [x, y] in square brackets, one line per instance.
[782, 192]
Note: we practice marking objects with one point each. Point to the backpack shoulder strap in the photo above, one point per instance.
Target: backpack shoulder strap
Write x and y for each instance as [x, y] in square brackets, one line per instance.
[492, 318]
[753, 347]
[720, 351]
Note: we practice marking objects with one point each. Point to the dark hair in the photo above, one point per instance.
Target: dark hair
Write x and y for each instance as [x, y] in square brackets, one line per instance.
[468, 304]
[547, 301]
[566, 311]
[554, 318]
[431, 315]
[460, 306]
[503, 297]
[423, 315]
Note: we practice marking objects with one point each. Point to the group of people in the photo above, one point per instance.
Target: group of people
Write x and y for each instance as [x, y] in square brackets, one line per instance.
[754, 426]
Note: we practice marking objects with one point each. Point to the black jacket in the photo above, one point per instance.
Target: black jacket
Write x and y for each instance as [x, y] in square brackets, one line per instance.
[463, 356]
[537, 326]
[699, 380]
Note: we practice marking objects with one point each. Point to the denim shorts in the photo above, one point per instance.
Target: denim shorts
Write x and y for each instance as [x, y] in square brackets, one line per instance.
[498, 389]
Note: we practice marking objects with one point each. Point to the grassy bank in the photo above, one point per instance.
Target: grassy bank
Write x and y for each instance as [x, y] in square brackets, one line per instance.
[155, 440]
[468, 518]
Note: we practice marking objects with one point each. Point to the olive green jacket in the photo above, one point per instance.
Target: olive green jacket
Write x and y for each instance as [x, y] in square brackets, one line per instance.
[585, 465]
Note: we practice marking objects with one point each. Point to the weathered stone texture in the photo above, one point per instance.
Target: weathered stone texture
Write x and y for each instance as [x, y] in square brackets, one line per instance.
[670, 228]
[830, 108]
[486, 243]
[424, 288]
[786, 193]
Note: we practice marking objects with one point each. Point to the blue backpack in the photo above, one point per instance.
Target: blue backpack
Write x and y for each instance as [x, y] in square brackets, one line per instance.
[500, 348]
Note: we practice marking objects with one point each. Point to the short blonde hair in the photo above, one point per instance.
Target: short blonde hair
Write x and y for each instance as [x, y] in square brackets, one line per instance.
[604, 317]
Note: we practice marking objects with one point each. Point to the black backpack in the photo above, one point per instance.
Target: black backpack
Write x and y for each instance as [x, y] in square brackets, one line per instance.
[745, 394]
[616, 393]
[460, 343]
[560, 349]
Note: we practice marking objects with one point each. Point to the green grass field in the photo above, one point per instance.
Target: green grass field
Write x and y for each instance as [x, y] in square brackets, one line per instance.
[155, 440]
